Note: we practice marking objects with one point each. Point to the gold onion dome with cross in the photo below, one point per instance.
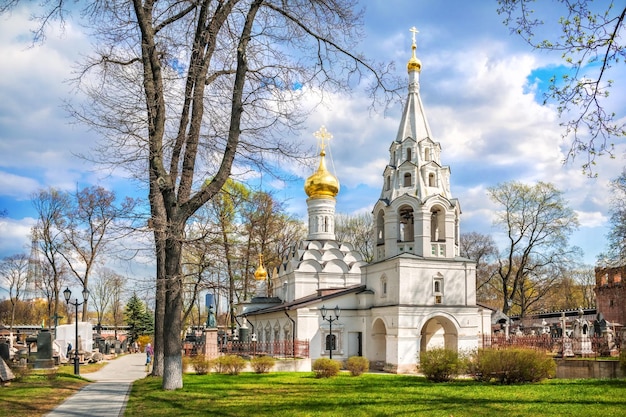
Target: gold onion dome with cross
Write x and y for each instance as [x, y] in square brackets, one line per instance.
[261, 273]
[414, 63]
[322, 183]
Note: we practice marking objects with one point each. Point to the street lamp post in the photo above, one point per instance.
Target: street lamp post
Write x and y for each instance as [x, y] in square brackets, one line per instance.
[330, 320]
[67, 294]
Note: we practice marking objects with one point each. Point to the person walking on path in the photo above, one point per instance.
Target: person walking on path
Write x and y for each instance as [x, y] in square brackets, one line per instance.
[149, 354]
[107, 396]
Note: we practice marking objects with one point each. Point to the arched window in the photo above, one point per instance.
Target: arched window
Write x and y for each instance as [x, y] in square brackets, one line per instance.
[380, 228]
[427, 155]
[431, 180]
[408, 154]
[437, 225]
[407, 180]
[387, 183]
[325, 223]
[438, 289]
[406, 224]
[331, 342]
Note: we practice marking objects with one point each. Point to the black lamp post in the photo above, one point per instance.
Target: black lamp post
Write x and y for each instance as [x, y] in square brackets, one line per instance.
[67, 294]
[330, 320]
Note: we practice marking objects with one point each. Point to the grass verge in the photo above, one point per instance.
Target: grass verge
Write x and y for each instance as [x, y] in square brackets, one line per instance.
[300, 395]
[37, 394]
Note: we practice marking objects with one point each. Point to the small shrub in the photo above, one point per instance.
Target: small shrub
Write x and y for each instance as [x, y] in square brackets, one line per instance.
[186, 364]
[262, 364]
[440, 364]
[200, 364]
[326, 368]
[622, 359]
[357, 365]
[21, 371]
[51, 374]
[509, 366]
[230, 364]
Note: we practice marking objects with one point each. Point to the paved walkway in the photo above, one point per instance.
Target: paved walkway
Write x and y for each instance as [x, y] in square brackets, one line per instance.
[108, 395]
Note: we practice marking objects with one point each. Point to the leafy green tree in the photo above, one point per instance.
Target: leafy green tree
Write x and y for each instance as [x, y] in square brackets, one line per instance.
[589, 36]
[138, 319]
[537, 223]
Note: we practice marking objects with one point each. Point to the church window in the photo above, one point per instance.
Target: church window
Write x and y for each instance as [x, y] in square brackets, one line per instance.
[408, 154]
[407, 180]
[427, 154]
[406, 224]
[383, 286]
[437, 225]
[380, 228]
[331, 342]
[431, 180]
[387, 183]
[325, 223]
[438, 289]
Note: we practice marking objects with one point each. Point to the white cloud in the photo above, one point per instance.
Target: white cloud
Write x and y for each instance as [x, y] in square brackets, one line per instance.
[15, 235]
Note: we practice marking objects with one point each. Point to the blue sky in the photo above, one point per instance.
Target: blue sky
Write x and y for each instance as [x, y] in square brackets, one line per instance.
[478, 84]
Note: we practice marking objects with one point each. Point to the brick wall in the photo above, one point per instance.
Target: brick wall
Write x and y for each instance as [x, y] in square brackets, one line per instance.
[611, 293]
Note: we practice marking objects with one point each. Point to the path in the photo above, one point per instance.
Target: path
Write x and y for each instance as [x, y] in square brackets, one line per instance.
[108, 395]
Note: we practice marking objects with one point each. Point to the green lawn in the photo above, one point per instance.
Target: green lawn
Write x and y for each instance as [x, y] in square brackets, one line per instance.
[300, 394]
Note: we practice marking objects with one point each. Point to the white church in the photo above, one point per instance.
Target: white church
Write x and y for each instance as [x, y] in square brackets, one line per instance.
[418, 293]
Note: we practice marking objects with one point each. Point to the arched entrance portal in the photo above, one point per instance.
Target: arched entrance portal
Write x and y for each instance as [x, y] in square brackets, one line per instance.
[439, 332]
[378, 352]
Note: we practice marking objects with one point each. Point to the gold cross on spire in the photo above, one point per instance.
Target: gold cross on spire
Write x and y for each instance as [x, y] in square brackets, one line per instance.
[415, 32]
[323, 135]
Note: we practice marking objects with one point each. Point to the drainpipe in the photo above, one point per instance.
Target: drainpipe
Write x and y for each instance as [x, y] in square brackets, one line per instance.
[293, 334]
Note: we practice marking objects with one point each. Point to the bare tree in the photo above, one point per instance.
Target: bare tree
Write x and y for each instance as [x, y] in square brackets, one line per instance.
[193, 87]
[50, 205]
[103, 290]
[358, 230]
[616, 254]
[88, 232]
[590, 41]
[537, 223]
[482, 249]
[14, 274]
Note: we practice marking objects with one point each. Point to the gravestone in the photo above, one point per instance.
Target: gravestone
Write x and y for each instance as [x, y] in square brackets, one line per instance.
[44, 350]
[5, 353]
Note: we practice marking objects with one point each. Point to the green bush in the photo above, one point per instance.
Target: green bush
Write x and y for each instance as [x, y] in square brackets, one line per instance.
[230, 364]
[201, 365]
[509, 366]
[357, 365]
[326, 368]
[262, 364]
[440, 364]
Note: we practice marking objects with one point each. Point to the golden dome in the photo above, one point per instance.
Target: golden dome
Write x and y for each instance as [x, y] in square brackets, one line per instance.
[322, 183]
[261, 273]
[414, 63]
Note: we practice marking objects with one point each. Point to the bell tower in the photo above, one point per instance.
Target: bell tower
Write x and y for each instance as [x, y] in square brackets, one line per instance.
[416, 212]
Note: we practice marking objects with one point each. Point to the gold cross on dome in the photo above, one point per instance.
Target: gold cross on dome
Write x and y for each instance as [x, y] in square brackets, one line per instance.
[415, 32]
[323, 135]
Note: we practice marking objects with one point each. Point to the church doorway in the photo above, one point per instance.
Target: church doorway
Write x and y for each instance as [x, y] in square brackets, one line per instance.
[439, 332]
[377, 355]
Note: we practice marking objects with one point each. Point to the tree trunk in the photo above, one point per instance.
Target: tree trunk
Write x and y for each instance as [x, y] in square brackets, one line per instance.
[172, 326]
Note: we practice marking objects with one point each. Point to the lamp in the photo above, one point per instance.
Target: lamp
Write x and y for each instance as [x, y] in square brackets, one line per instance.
[67, 294]
[331, 346]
